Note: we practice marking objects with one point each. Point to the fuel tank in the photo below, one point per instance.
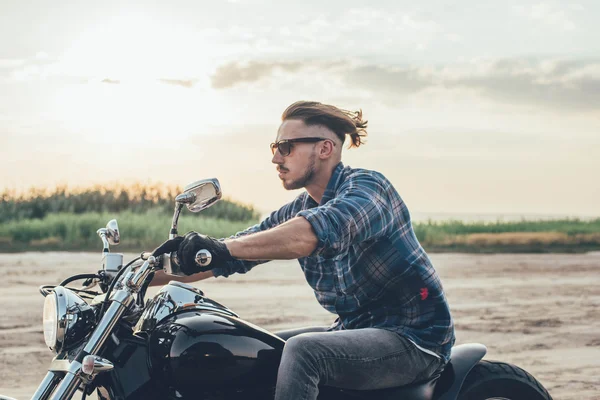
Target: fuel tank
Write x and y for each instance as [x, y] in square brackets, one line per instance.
[203, 349]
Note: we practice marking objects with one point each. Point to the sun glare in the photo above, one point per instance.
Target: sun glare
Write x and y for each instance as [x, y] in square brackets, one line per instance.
[128, 111]
[146, 78]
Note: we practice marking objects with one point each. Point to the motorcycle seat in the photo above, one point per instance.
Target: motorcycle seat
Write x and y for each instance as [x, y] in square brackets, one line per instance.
[417, 391]
[440, 386]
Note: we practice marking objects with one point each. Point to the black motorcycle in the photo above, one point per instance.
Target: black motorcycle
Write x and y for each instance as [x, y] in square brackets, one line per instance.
[183, 345]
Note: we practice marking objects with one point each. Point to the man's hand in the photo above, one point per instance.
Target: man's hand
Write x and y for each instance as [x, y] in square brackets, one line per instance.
[189, 245]
[169, 246]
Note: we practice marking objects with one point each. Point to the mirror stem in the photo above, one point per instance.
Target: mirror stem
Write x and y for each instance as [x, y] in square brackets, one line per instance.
[102, 233]
[173, 233]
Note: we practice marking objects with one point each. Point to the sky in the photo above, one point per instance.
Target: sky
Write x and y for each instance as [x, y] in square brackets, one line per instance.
[474, 107]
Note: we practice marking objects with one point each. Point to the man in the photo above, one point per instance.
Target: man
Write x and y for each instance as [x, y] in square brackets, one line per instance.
[352, 235]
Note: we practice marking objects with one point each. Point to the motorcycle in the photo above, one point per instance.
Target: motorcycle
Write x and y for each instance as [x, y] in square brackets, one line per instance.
[181, 344]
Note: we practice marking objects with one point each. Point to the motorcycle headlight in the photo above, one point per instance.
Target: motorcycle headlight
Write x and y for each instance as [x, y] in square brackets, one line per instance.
[67, 319]
[50, 320]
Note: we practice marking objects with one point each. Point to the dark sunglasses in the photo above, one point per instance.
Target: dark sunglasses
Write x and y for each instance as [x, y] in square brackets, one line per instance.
[285, 146]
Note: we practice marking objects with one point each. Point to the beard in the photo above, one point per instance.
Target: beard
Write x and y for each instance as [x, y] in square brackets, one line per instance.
[305, 179]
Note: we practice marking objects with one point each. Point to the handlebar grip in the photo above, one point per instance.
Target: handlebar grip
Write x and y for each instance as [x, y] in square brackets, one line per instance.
[203, 258]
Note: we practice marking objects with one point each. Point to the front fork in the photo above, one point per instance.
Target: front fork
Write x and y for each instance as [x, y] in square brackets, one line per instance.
[45, 388]
[73, 377]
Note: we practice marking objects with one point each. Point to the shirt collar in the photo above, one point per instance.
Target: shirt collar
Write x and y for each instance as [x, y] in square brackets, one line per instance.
[334, 182]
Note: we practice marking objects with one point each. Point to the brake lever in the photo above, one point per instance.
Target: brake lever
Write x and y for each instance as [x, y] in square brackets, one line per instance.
[89, 283]
[159, 260]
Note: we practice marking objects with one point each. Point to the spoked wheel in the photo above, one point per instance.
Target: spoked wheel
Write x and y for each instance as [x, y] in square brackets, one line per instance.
[493, 380]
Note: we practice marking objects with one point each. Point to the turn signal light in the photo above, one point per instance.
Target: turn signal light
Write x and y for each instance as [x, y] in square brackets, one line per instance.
[93, 364]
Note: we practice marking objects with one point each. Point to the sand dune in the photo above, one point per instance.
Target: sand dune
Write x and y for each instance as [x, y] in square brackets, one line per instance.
[541, 312]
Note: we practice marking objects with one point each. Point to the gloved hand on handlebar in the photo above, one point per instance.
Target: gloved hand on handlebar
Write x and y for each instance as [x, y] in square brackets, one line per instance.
[187, 247]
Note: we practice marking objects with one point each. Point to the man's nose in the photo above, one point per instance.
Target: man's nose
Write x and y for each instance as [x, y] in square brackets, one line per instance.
[277, 158]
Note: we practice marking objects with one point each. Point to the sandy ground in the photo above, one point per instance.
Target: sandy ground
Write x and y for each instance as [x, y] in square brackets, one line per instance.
[541, 312]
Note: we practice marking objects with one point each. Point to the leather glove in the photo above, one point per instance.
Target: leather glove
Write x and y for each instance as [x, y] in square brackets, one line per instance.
[187, 247]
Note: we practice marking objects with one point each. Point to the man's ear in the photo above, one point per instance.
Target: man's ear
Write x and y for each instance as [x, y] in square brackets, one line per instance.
[326, 149]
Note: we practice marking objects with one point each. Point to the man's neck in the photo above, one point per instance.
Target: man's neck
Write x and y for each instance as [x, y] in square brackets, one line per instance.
[317, 187]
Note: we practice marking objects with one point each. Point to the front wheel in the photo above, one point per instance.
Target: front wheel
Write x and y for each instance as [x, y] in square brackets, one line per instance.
[497, 380]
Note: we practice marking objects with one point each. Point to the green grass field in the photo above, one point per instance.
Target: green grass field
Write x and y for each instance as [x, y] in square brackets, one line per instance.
[139, 231]
[67, 219]
[146, 230]
[566, 235]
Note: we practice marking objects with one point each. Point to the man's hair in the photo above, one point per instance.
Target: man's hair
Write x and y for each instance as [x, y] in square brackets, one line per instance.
[341, 122]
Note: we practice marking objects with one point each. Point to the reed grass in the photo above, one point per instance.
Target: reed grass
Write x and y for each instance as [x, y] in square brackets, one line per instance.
[139, 231]
[37, 203]
[144, 230]
[564, 235]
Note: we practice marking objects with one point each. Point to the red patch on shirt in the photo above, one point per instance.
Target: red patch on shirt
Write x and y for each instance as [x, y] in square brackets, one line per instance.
[424, 293]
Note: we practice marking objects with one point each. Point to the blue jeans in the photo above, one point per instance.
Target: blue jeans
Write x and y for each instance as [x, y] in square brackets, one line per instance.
[360, 359]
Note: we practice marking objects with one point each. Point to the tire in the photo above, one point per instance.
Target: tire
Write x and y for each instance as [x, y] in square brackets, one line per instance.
[498, 380]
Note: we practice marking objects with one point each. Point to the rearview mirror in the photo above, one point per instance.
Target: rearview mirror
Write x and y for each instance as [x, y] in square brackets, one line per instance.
[200, 195]
[112, 232]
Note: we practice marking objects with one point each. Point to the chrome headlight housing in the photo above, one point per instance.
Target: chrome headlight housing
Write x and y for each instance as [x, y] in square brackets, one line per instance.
[67, 319]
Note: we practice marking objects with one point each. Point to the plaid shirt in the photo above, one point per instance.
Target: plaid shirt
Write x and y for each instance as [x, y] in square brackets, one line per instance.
[368, 267]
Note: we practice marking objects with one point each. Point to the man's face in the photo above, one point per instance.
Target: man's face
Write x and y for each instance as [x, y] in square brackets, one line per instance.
[297, 169]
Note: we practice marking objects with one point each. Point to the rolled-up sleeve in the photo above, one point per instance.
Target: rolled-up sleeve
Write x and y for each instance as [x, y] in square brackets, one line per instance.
[359, 212]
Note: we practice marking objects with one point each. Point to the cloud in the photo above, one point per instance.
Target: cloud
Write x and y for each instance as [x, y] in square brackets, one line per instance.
[11, 63]
[235, 73]
[42, 67]
[559, 84]
[40, 59]
[38, 67]
[179, 82]
[337, 30]
[564, 84]
[392, 80]
[548, 14]
[110, 81]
